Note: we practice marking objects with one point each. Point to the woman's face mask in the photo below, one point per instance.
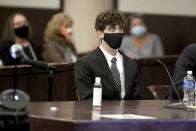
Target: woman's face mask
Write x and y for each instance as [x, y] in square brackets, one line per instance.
[20, 26]
[138, 30]
[21, 31]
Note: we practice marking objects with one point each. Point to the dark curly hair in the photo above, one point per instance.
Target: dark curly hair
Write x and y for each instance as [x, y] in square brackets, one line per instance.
[109, 17]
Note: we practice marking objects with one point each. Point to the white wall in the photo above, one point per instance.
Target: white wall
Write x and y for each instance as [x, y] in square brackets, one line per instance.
[84, 13]
[170, 7]
[48, 4]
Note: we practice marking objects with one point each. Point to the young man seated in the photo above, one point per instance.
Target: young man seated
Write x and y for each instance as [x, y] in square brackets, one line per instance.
[119, 74]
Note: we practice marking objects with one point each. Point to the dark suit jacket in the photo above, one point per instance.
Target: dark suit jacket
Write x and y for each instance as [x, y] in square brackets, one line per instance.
[186, 61]
[95, 65]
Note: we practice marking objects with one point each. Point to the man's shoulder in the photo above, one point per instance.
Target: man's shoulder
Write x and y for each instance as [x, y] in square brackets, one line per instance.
[88, 57]
[129, 60]
[190, 46]
[190, 50]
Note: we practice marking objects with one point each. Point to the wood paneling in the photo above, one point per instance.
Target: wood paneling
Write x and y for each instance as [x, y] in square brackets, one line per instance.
[34, 81]
[153, 73]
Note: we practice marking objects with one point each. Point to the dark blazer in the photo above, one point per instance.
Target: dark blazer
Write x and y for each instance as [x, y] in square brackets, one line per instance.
[95, 65]
[186, 61]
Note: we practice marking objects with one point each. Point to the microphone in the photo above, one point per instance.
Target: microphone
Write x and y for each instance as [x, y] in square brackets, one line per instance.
[39, 64]
[17, 51]
[14, 102]
[180, 104]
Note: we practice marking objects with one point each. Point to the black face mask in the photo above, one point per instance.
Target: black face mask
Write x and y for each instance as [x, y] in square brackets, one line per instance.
[22, 31]
[113, 39]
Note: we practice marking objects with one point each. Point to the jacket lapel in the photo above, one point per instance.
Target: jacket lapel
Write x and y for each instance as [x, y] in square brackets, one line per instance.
[104, 66]
[126, 74]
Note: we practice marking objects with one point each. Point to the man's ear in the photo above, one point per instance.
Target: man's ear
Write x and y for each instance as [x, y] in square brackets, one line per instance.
[100, 34]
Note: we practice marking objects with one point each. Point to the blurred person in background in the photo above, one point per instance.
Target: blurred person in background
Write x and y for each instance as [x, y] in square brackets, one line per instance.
[58, 47]
[141, 44]
[18, 30]
[186, 62]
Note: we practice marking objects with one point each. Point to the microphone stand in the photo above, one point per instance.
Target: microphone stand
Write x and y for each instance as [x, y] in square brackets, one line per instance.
[179, 105]
[50, 82]
[15, 81]
[17, 52]
[42, 65]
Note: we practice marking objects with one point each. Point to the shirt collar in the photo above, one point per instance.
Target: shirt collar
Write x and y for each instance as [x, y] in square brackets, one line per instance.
[108, 56]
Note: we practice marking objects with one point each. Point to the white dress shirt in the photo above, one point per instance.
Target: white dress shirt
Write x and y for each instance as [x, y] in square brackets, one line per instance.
[120, 66]
[1, 63]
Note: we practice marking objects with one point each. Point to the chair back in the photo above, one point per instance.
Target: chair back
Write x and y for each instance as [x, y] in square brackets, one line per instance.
[159, 92]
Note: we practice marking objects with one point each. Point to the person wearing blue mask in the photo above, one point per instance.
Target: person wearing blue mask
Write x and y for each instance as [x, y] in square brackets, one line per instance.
[118, 73]
[141, 44]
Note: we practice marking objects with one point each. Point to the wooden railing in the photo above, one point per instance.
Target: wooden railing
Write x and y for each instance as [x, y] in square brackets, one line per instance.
[35, 81]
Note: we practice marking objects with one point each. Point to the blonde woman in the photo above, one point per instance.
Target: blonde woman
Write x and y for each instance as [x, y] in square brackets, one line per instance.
[58, 47]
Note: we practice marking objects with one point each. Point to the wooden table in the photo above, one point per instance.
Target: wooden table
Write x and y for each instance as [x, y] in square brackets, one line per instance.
[80, 116]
